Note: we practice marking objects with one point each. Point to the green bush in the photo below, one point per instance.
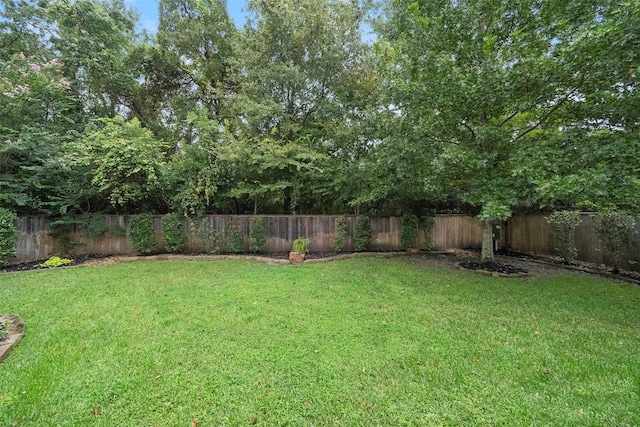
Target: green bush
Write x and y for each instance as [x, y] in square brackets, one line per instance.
[301, 245]
[258, 235]
[63, 230]
[614, 229]
[234, 243]
[96, 226]
[55, 261]
[206, 233]
[142, 234]
[173, 233]
[428, 223]
[564, 222]
[409, 231]
[341, 234]
[362, 236]
[8, 234]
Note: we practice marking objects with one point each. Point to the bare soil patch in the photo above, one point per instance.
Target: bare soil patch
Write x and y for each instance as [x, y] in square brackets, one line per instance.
[11, 332]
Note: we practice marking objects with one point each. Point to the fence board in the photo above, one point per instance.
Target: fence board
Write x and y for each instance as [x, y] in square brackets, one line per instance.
[457, 231]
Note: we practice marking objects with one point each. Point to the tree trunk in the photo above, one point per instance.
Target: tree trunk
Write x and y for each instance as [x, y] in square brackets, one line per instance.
[487, 242]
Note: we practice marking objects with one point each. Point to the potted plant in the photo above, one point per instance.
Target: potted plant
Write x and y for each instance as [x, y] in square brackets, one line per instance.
[300, 248]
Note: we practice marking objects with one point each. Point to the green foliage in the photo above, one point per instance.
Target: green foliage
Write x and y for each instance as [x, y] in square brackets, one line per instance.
[8, 234]
[428, 223]
[174, 235]
[55, 261]
[233, 238]
[409, 231]
[494, 211]
[123, 159]
[362, 233]
[63, 231]
[143, 234]
[483, 106]
[96, 226]
[614, 229]
[341, 234]
[301, 245]
[479, 133]
[258, 235]
[206, 234]
[564, 222]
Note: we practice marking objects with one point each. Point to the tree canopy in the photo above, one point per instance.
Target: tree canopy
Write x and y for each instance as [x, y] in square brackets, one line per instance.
[486, 107]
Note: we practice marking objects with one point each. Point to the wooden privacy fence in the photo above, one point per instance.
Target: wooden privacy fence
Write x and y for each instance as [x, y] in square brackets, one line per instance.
[524, 233]
[531, 234]
[449, 231]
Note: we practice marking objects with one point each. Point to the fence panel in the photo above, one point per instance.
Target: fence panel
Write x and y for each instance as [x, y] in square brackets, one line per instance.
[525, 233]
[531, 234]
[457, 231]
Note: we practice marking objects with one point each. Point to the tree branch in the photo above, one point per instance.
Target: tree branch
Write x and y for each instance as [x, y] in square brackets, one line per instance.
[473, 134]
[548, 114]
[504, 122]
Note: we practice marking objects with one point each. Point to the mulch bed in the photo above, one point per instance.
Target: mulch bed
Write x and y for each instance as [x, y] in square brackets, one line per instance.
[467, 258]
[601, 270]
[91, 260]
[494, 267]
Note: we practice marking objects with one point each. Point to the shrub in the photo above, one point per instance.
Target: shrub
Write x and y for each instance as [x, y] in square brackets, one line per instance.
[173, 234]
[96, 226]
[55, 261]
[564, 222]
[341, 234]
[409, 231]
[8, 234]
[428, 222]
[143, 234]
[62, 230]
[362, 236]
[258, 235]
[301, 245]
[234, 243]
[614, 229]
[206, 234]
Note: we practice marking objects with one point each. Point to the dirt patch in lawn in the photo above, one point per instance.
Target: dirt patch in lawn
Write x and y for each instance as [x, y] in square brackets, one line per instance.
[11, 332]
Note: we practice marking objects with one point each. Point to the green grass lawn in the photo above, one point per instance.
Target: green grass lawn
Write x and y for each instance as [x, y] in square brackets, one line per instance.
[354, 342]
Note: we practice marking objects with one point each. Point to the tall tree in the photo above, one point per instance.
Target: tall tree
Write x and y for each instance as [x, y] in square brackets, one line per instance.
[474, 83]
[309, 78]
[37, 115]
[196, 40]
[92, 40]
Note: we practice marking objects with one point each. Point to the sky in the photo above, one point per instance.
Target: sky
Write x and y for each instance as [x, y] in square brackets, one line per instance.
[148, 10]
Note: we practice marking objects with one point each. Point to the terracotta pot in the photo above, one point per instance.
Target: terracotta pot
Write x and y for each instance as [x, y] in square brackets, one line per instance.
[296, 258]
